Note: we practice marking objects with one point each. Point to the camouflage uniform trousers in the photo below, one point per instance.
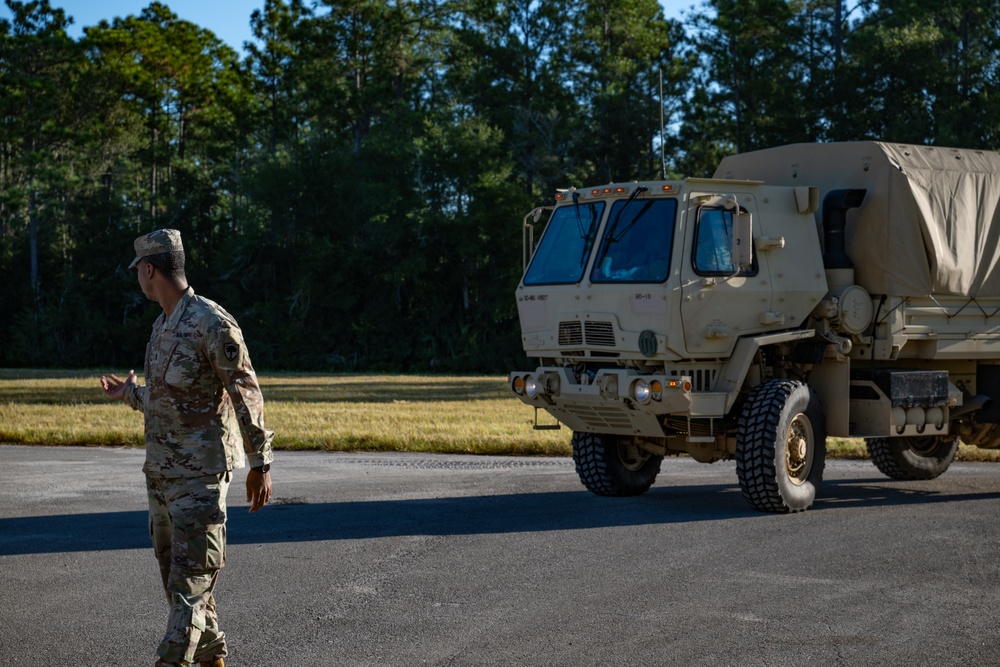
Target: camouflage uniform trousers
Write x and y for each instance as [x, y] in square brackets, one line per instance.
[187, 523]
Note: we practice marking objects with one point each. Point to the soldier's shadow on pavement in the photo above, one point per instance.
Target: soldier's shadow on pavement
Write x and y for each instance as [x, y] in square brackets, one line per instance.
[298, 520]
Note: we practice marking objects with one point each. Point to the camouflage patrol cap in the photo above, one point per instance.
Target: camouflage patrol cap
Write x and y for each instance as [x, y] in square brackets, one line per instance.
[155, 243]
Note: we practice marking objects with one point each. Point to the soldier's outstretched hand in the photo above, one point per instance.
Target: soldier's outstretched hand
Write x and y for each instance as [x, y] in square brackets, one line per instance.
[114, 386]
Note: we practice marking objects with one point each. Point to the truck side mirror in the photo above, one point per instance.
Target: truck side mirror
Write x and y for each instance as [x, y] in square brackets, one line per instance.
[528, 234]
[742, 250]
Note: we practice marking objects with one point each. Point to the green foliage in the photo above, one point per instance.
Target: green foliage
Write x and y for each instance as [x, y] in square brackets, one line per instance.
[352, 189]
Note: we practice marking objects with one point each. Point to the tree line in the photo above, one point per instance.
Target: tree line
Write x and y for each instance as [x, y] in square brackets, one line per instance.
[351, 187]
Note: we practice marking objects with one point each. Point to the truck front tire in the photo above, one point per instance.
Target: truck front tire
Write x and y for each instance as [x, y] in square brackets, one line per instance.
[781, 446]
[919, 457]
[611, 465]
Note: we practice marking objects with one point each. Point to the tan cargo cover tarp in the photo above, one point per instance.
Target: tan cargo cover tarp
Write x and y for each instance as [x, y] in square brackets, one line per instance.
[929, 224]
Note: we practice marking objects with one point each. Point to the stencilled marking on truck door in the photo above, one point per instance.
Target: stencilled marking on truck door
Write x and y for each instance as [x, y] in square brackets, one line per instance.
[533, 311]
[649, 303]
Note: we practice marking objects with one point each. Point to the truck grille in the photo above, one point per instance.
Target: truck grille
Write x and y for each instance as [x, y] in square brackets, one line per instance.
[702, 379]
[570, 333]
[600, 334]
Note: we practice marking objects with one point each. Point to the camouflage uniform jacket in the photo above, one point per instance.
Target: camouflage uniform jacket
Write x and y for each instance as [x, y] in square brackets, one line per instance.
[201, 400]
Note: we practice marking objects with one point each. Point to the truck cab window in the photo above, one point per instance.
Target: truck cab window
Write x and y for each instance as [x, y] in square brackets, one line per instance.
[565, 247]
[637, 242]
[713, 244]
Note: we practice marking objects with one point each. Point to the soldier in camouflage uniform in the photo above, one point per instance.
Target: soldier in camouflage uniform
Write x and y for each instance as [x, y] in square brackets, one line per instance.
[203, 412]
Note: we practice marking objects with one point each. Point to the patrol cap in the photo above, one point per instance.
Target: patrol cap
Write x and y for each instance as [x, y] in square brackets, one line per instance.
[155, 243]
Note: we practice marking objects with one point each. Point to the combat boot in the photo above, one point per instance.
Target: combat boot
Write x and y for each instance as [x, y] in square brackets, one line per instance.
[216, 662]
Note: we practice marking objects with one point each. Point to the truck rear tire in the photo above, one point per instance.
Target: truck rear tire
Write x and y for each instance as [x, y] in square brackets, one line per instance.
[919, 457]
[781, 446]
[611, 465]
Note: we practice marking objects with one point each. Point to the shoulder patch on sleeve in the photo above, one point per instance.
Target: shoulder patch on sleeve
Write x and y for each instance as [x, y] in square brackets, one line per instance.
[229, 351]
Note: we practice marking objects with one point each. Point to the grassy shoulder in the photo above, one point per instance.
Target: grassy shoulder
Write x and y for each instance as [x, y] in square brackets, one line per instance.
[442, 414]
[445, 414]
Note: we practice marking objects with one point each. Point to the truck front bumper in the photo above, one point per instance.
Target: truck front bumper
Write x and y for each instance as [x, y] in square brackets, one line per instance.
[618, 401]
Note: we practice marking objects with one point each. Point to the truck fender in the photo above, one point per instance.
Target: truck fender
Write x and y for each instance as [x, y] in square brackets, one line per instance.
[734, 371]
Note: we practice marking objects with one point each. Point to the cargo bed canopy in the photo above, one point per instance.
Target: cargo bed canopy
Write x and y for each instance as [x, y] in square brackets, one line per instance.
[929, 224]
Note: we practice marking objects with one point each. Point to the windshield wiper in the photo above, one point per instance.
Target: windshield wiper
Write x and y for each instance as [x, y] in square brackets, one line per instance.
[588, 236]
[579, 221]
[611, 230]
[584, 235]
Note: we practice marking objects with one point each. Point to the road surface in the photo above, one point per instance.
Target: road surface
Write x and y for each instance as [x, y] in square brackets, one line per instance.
[412, 559]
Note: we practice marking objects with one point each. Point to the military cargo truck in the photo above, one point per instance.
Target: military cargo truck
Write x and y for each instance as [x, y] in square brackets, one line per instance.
[805, 291]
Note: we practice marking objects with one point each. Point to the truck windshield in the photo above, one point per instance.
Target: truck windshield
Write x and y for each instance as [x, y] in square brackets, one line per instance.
[636, 249]
[565, 247]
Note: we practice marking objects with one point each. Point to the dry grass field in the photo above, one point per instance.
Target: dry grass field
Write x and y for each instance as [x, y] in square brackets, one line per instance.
[443, 414]
[475, 415]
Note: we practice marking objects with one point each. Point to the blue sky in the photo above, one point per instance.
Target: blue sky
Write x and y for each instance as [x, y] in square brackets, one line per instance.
[228, 19]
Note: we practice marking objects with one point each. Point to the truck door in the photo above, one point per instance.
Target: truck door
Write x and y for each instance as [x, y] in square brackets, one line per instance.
[720, 301]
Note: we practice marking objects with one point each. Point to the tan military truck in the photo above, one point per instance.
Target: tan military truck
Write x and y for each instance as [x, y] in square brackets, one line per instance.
[847, 289]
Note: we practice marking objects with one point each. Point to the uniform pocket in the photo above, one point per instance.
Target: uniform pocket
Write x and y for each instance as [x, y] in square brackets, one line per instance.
[182, 367]
[207, 551]
[198, 514]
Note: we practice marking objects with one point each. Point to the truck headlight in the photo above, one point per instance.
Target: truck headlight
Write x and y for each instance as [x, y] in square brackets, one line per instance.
[530, 386]
[641, 391]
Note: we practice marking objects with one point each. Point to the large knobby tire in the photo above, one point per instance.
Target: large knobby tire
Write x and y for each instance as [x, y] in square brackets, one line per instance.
[781, 446]
[611, 465]
[917, 457]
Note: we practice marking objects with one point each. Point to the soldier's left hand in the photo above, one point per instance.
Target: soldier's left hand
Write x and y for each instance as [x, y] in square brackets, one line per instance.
[258, 489]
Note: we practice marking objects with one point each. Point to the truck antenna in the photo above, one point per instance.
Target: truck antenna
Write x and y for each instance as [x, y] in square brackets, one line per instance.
[663, 160]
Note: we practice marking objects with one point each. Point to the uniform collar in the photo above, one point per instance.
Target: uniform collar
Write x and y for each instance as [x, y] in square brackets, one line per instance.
[171, 323]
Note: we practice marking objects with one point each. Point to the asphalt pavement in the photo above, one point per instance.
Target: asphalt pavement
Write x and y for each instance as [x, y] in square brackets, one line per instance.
[413, 559]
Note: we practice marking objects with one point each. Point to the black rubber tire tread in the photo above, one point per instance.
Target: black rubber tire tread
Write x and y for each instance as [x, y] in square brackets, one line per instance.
[760, 446]
[896, 457]
[601, 469]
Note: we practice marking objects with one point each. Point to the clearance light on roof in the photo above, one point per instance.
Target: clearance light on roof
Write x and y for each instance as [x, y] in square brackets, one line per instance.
[668, 188]
[597, 192]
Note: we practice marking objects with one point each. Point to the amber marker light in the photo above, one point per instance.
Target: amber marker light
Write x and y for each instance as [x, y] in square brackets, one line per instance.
[668, 188]
[517, 384]
[657, 389]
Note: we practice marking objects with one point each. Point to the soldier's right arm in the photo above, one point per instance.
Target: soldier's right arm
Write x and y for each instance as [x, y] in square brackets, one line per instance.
[135, 396]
